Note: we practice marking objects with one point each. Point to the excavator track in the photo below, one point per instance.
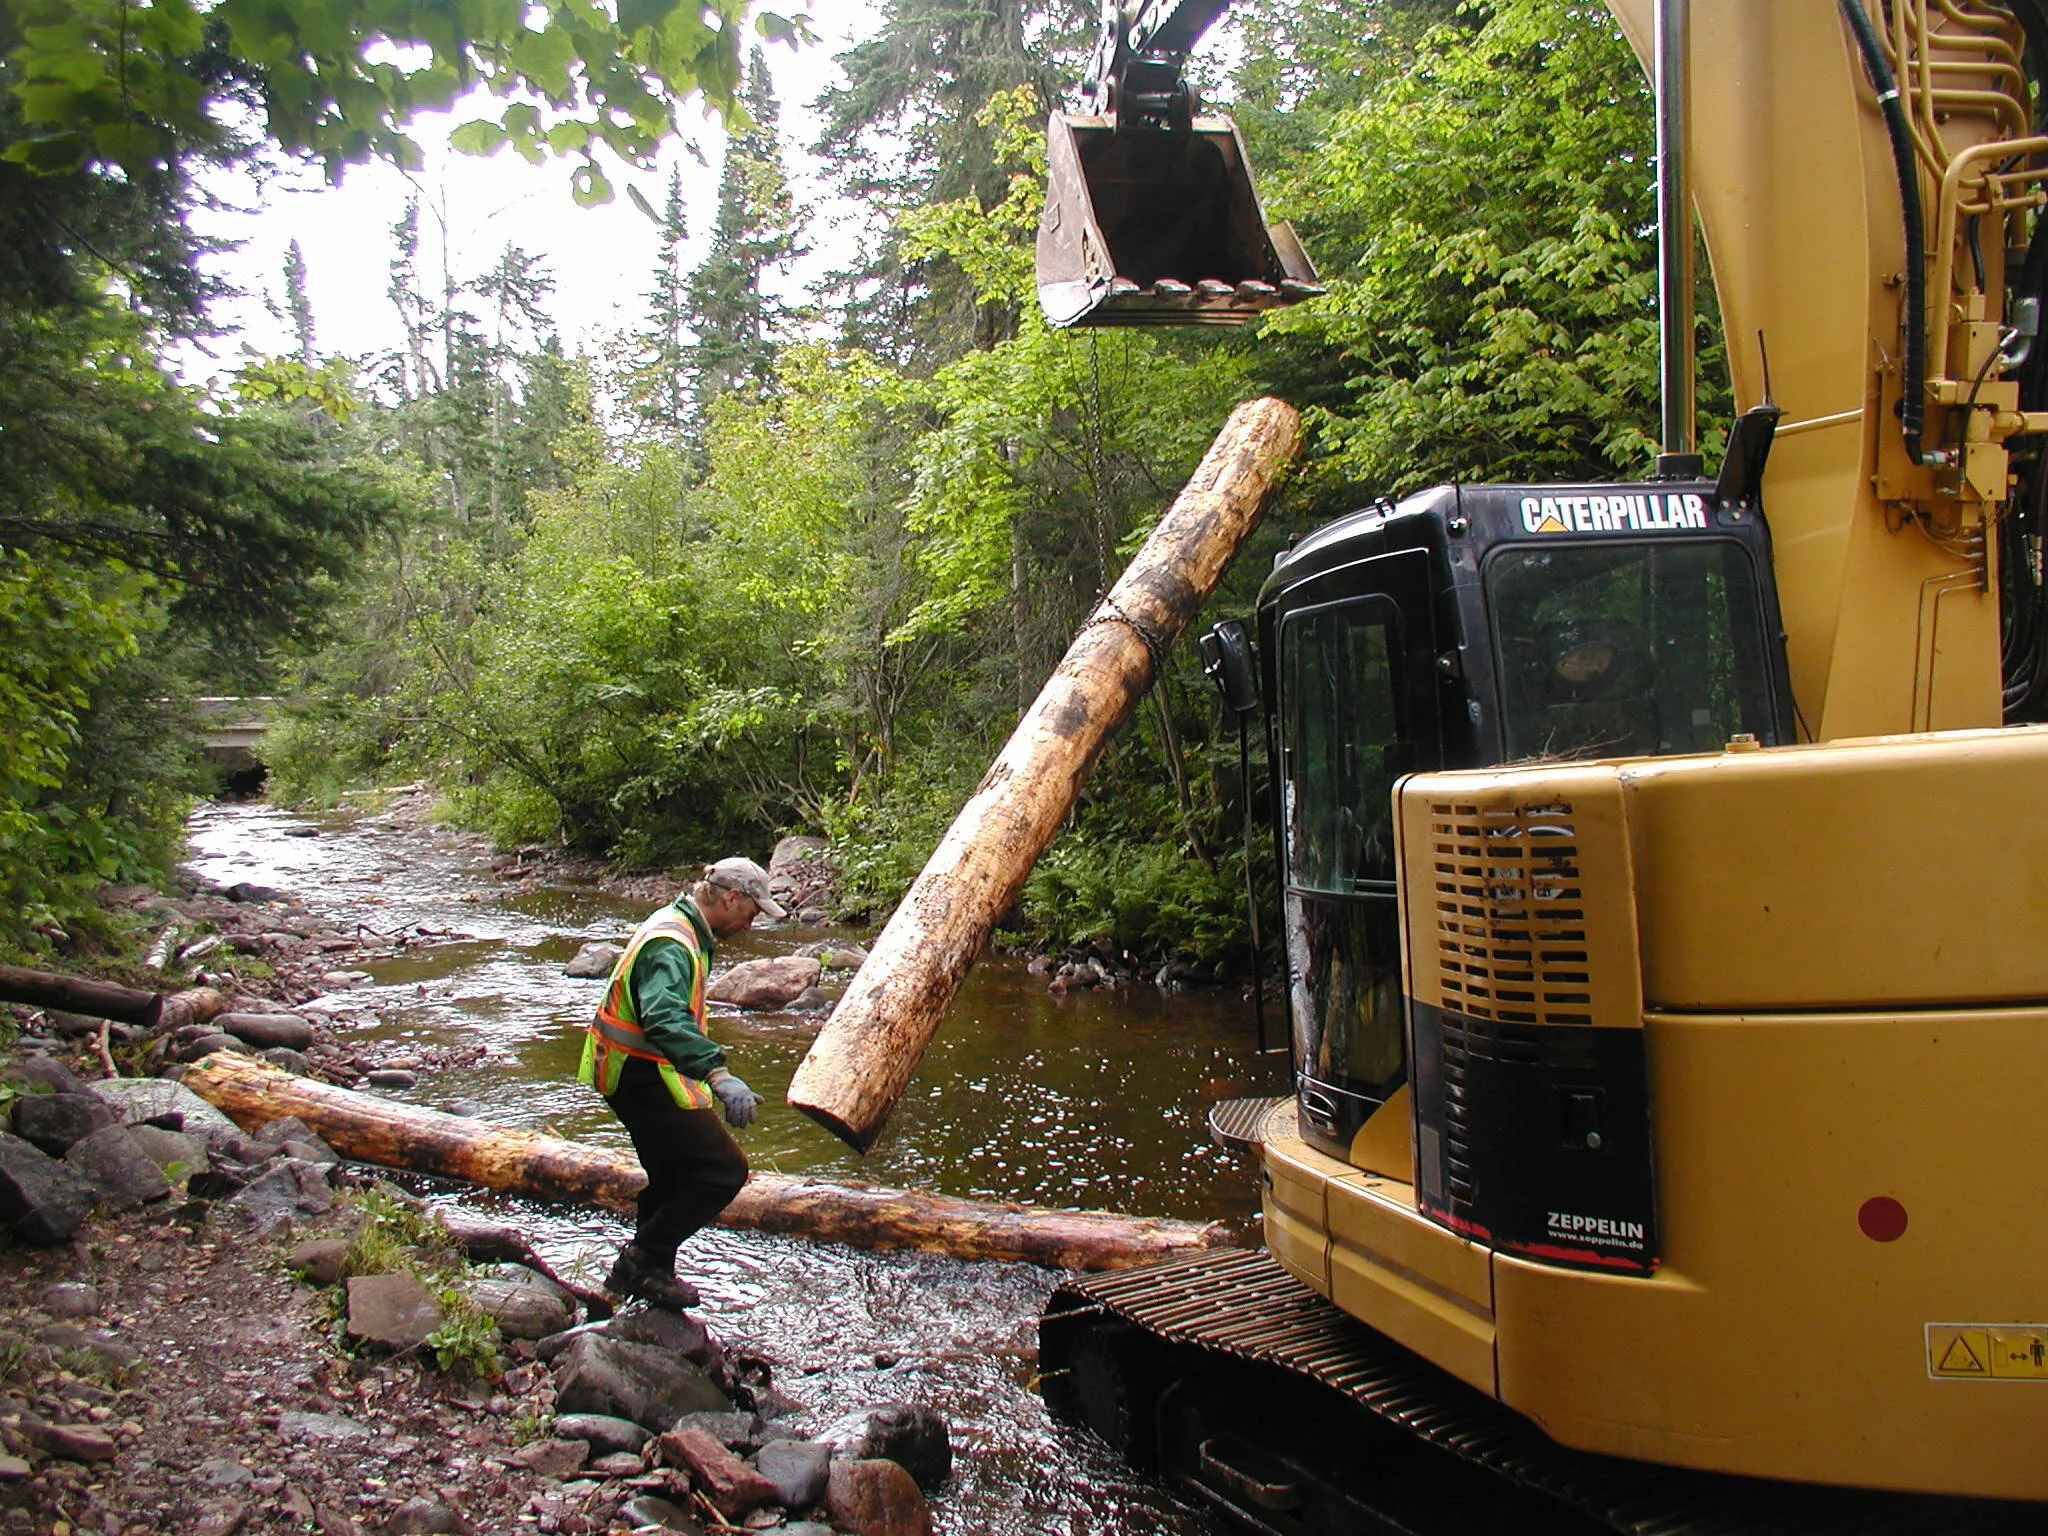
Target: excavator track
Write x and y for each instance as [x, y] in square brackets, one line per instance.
[1243, 1306]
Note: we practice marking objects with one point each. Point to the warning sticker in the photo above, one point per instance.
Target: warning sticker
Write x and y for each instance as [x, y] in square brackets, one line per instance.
[1987, 1351]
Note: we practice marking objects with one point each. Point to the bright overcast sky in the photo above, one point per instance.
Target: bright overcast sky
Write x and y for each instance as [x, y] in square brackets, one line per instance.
[602, 259]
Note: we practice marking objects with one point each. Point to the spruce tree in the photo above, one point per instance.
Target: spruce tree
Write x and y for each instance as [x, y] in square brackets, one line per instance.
[758, 231]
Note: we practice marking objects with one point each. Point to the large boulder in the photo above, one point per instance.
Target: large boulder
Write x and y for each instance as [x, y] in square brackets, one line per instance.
[288, 1188]
[765, 984]
[56, 1122]
[41, 1200]
[593, 962]
[650, 1386]
[115, 1164]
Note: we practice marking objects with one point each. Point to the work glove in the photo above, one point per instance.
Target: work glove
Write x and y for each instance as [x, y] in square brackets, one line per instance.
[740, 1101]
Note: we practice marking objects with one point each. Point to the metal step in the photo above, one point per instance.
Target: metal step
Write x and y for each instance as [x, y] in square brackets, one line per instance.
[1235, 1124]
[1246, 1306]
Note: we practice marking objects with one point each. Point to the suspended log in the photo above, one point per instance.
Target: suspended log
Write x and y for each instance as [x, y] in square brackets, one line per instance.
[106, 1000]
[393, 1135]
[863, 1058]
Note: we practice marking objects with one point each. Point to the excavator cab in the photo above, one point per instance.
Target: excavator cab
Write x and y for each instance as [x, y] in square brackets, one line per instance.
[1150, 214]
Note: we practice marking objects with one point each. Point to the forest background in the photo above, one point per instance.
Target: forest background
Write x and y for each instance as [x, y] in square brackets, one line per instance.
[765, 563]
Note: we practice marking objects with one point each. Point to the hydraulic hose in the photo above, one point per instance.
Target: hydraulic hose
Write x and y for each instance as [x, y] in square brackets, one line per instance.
[1913, 389]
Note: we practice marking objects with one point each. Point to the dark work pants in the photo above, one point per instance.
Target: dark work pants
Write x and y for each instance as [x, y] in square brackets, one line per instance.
[693, 1167]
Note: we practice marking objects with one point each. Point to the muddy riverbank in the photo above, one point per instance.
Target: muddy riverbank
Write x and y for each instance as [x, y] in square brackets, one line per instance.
[1083, 1101]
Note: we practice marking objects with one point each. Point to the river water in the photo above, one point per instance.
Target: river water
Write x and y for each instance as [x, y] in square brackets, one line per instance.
[1092, 1100]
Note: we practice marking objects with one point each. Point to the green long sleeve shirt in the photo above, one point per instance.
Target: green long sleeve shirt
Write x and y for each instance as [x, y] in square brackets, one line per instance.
[664, 976]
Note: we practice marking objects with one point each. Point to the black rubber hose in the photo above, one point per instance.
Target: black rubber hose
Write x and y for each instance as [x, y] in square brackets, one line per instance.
[1913, 391]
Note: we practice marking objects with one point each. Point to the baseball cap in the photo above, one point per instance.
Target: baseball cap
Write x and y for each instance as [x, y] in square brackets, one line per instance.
[750, 880]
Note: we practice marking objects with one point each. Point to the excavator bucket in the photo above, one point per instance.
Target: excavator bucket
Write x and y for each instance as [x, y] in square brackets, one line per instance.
[1151, 227]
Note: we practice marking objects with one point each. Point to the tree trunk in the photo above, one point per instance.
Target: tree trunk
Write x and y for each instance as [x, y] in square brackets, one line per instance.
[862, 1059]
[374, 1130]
[105, 1000]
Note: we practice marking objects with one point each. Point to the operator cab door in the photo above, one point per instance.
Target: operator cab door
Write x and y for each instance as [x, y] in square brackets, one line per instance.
[1357, 709]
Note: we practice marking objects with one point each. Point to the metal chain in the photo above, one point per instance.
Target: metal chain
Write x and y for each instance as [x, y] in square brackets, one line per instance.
[1116, 615]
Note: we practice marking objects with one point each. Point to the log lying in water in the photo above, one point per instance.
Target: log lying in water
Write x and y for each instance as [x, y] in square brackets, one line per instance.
[863, 1058]
[393, 1135]
[105, 1000]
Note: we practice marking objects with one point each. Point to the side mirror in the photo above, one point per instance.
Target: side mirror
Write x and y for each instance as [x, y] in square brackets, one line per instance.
[1227, 662]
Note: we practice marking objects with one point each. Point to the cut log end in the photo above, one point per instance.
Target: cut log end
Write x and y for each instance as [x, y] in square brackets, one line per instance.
[861, 1140]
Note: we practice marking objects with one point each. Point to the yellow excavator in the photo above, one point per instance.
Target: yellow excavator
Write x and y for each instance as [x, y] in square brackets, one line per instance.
[1664, 864]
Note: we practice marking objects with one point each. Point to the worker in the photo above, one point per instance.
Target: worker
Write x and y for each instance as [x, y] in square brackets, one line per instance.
[648, 1054]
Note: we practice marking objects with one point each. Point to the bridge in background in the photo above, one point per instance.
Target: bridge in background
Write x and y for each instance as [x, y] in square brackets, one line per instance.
[234, 725]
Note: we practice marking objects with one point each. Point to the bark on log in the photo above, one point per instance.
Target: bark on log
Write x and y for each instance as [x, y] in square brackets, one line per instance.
[863, 1058]
[374, 1130]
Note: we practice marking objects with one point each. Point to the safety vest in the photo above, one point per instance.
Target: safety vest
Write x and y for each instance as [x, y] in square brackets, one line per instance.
[615, 1033]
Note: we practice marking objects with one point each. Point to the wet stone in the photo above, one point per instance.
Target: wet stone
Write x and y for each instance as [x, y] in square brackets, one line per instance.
[42, 1201]
[733, 1487]
[168, 1149]
[739, 1431]
[765, 984]
[156, 1098]
[391, 1077]
[523, 1303]
[593, 962]
[425, 1517]
[323, 1260]
[797, 1468]
[617, 1464]
[913, 1437]
[206, 1045]
[876, 1498]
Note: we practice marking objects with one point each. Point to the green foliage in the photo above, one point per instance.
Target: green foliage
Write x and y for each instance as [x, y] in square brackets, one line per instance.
[1479, 197]
[121, 83]
[1147, 897]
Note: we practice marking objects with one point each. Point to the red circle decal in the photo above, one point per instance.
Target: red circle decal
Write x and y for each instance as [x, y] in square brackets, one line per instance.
[1882, 1219]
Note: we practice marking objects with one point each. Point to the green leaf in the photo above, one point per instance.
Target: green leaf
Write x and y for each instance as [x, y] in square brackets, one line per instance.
[478, 137]
[135, 147]
[590, 186]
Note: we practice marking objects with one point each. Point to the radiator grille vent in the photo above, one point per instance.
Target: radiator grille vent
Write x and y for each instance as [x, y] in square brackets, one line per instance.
[1511, 913]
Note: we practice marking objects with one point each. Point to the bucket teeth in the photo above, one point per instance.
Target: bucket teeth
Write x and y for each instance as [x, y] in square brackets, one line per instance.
[1253, 291]
[1171, 288]
[1294, 291]
[1214, 288]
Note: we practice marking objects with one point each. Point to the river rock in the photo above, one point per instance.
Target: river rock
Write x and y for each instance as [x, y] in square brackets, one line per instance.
[799, 1470]
[394, 1311]
[118, 1168]
[56, 1122]
[651, 1509]
[70, 1442]
[70, 1298]
[287, 1189]
[206, 1045]
[876, 1498]
[249, 891]
[294, 1138]
[158, 1099]
[95, 1341]
[836, 954]
[593, 962]
[737, 1432]
[267, 1029]
[677, 1332]
[53, 1075]
[391, 1077]
[425, 1517]
[915, 1438]
[765, 984]
[553, 1458]
[650, 1386]
[169, 1149]
[524, 1304]
[604, 1434]
[322, 1260]
[734, 1488]
[291, 1061]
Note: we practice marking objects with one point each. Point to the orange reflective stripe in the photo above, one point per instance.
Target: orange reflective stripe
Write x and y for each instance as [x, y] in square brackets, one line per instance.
[615, 1027]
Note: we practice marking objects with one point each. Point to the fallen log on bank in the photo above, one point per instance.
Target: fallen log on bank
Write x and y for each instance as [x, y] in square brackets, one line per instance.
[106, 1000]
[863, 1058]
[393, 1135]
